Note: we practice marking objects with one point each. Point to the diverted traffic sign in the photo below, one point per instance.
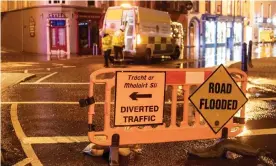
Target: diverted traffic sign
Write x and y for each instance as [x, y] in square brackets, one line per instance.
[139, 98]
[218, 99]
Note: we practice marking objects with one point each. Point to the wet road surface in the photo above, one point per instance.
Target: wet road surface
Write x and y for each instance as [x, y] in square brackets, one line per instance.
[42, 117]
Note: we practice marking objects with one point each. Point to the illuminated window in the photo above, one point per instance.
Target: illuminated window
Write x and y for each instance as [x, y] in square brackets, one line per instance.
[269, 10]
[91, 3]
[210, 32]
[238, 7]
[221, 32]
[262, 10]
[111, 3]
[196, 6]
[56, 2]
[229, 7]
[207, 6]
[218, 7]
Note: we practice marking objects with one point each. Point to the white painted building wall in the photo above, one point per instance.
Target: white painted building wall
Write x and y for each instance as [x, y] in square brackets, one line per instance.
[256, 11]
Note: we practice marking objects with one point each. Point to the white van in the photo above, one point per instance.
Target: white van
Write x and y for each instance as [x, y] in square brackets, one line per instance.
[147, 32]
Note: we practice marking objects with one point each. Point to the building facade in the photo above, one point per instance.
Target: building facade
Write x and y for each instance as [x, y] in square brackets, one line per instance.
[72, 27]
[51, 27]
[65, 26]
[214, 27]
[262, 22]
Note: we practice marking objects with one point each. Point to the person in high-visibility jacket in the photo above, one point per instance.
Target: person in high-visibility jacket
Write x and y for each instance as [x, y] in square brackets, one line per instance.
[118, 42]
[107, 46]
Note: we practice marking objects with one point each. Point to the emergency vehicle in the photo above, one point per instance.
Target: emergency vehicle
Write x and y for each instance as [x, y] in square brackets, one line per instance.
[147, 32]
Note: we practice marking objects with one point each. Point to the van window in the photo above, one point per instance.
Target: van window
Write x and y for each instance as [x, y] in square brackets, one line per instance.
[129, 30]
[163, 40]
[151, 40]
[114, 14]
[128, 21]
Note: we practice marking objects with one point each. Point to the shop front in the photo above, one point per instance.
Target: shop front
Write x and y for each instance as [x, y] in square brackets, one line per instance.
[209, 30]
[265, 30]
[88, 38]
[238, 32]
[209, 39]
[222, 38]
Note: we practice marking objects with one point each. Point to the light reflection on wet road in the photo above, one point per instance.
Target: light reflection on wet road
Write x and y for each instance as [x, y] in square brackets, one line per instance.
[222, 55]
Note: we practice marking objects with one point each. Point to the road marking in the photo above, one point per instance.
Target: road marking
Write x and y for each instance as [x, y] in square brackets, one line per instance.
[79, 139]
[57, 64]
[40, 102]
[20, 134]
[55, 139]
[57, 83]
[21, 70]
[43, 78]
[257, 132]
[24, 162]
[68, 66]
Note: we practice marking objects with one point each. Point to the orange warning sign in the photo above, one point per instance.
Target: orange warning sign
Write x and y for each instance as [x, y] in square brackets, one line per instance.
[218, 99]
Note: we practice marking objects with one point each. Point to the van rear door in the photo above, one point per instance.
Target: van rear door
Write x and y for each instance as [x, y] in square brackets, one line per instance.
[128, 20]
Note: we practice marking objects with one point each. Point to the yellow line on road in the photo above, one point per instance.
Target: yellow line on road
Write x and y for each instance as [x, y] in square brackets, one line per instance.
[39, 102]
[55, 139]
[56, 83]
[24, 162]
[100, 102]
[20, 134]
[62, 102]
[79, 139]
[14, 119]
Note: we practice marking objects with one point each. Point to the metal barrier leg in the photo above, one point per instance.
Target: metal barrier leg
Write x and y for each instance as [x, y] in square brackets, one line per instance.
[114, 150]
[224, 136]
[224, 133]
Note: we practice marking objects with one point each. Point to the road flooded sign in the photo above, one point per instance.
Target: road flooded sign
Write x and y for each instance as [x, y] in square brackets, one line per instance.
[139, 98]
[218, 99]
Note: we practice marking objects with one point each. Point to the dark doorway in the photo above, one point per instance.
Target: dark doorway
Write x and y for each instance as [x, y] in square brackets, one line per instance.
[88, 35]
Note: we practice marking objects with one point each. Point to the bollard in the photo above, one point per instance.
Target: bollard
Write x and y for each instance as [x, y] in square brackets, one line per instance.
[250, 54]
[244, 58]
[95, 49]
[114, 150]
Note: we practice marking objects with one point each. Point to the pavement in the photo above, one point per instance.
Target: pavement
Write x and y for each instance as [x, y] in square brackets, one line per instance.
[10, 79]
[262, 68]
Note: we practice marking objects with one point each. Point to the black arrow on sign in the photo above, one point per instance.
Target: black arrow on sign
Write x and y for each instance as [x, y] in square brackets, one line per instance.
[135, 95]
